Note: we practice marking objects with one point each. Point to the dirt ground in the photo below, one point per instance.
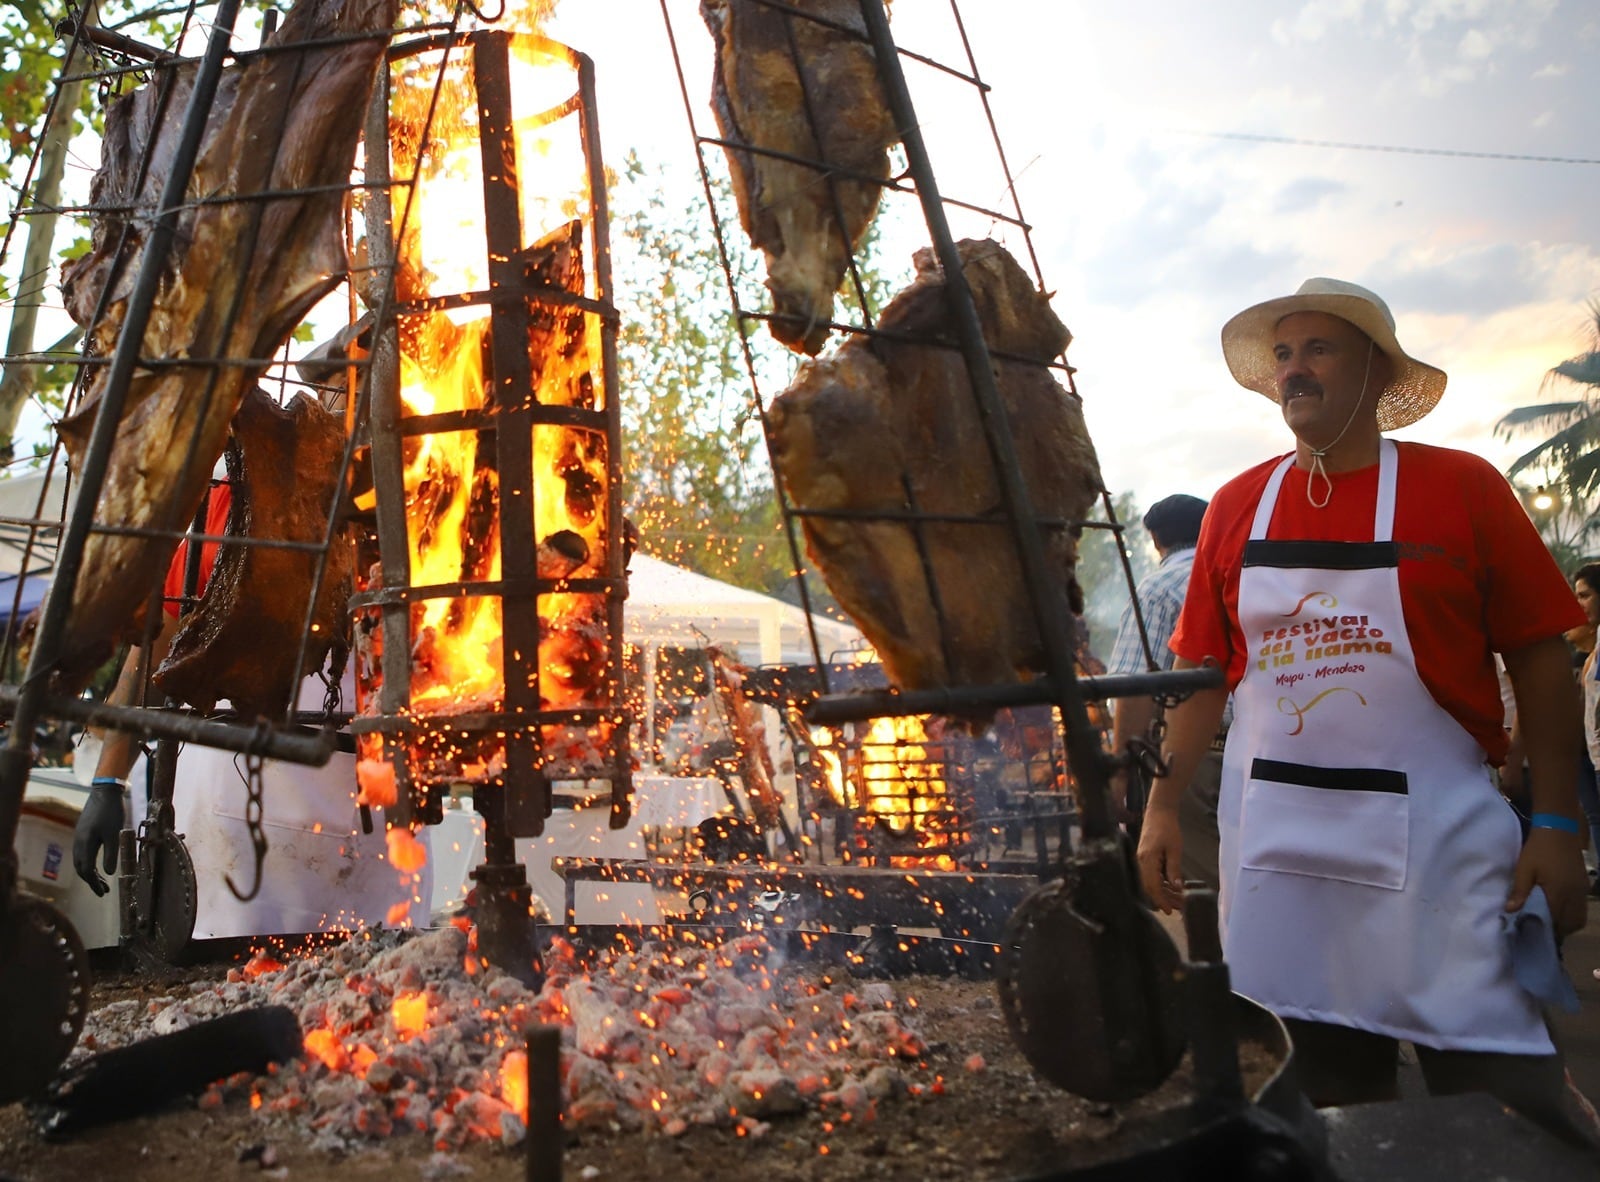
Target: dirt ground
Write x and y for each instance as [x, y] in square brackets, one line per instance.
[979, 1122]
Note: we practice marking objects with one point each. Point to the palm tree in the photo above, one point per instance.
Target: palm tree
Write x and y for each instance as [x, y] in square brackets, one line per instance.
[1571, 450]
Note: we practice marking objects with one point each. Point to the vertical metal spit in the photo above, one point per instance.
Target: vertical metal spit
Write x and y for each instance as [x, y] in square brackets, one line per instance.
[1050, 610]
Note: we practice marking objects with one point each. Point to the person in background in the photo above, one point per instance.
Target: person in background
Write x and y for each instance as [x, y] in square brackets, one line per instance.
[104, 815]
[323, 870]
[1586, 586]
[1173, 524]
[1355, 592]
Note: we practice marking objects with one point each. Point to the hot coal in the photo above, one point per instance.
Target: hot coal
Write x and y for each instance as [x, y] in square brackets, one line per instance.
[423, 1035]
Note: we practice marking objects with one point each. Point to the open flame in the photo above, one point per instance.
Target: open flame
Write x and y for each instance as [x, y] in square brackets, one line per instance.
[452, 292]
[514, 1082]
[894, 774]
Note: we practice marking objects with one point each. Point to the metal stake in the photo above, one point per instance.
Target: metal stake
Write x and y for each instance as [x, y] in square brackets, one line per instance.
[544, 1104]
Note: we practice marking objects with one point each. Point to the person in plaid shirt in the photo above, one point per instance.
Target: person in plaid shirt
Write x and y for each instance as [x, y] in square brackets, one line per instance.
[1173, 524]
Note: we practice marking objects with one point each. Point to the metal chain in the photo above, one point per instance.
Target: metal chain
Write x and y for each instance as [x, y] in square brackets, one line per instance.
[1145, 751]
[253, 812]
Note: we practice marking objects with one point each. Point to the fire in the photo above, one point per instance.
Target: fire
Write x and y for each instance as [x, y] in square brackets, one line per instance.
[903, 786]
[325, 1045]
[261, 964]
[375, 779]
[410, 1013]
[406, 853]
[514, 1082]
[454, 510]
[895, 774]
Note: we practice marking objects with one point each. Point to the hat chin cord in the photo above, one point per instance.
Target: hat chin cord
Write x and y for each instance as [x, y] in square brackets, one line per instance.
[1318, 468]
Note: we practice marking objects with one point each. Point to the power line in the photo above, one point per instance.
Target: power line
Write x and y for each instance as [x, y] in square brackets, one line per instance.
[1304, 143]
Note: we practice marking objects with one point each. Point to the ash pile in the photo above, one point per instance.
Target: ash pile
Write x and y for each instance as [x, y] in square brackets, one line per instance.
[423, 1035]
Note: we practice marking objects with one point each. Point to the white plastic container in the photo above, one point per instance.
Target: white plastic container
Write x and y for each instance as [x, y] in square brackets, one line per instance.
[50, 809]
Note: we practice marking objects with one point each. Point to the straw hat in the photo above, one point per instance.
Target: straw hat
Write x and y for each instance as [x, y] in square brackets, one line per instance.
[1247, 339]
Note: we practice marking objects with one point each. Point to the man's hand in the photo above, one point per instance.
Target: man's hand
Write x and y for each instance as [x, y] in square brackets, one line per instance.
[1553, 860]
[96, 833]
[1160, 858]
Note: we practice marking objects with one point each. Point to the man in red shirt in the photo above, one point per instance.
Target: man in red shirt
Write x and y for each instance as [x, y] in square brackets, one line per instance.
[1355, 591]
[104, 814]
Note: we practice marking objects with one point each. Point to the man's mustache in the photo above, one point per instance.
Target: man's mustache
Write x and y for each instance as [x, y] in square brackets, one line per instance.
[1301, 385]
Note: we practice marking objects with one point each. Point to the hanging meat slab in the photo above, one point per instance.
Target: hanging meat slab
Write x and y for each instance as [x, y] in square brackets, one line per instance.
[243, 639]
[242, 275]
[805, 222]
[883, 426]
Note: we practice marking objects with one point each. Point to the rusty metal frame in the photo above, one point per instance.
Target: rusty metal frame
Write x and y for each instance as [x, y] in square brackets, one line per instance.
[518, 800]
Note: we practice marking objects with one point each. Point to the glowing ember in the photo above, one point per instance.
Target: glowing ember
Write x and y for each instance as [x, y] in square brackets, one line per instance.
[325, 1045]
[262, 963]
[410, 1014]
[376, 780]
[514, 1082]
[659, 1037]
[406, 853]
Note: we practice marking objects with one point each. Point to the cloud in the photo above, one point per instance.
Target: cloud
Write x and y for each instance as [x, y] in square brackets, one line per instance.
[1553, 70]
[1478, 281]
[1474, 282]
[1306, 193]
[1475, 46]
[1314, 20]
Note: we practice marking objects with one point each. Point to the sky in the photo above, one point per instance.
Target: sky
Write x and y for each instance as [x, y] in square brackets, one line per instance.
[1153, 227]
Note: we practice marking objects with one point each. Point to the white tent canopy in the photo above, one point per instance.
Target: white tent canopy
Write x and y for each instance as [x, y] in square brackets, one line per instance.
[20, 501]
[667, 604]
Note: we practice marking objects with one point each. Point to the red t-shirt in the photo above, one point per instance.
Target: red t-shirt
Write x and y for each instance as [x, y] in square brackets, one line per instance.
[1475, 578]
[216, 525]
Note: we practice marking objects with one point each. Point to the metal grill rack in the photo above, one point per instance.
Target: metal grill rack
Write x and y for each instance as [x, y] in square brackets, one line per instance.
[1018, 525]
[358, 370]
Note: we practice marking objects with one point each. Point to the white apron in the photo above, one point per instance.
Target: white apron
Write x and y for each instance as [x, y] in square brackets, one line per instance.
[321, 871]
[1365, 853]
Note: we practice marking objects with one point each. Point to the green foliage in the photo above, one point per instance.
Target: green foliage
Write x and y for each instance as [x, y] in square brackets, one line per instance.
[1566, 460]
[1101, 574]
[699, 480]
[32, 55]
[32, 159]
[698, 483]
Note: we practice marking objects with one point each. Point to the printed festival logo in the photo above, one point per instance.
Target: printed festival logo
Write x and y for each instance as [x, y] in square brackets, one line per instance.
[1324, 600]
[1322, 636]
[1288, 707]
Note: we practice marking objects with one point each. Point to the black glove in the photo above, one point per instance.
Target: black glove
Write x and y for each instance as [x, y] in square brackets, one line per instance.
[98, 828]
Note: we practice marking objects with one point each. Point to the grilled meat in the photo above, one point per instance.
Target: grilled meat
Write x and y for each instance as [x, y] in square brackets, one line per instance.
[242, 275]
[886, 426]
[806, 222]
[242, 640]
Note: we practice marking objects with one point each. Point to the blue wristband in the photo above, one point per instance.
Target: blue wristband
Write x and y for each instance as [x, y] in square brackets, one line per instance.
[122, 785]
[1553, 821]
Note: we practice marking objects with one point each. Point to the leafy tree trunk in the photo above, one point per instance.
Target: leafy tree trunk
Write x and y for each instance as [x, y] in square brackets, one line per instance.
[16, 380]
